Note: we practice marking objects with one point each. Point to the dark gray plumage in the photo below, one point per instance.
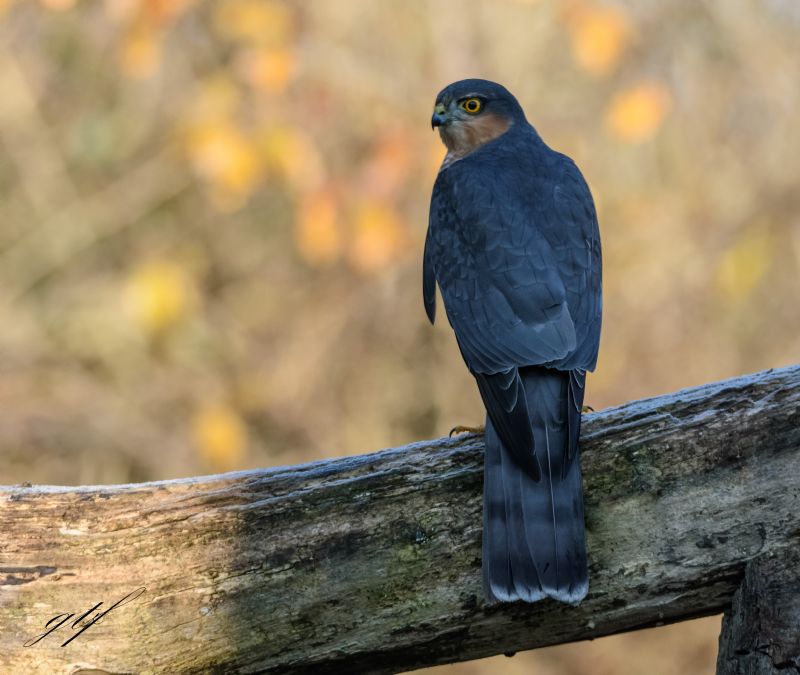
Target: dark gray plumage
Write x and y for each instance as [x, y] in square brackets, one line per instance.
[514, 244]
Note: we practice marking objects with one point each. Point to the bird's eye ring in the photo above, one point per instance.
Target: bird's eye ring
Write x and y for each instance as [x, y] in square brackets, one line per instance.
[472, 105]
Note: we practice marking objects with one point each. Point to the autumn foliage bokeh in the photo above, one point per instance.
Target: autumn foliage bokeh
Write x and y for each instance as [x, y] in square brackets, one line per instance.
[212, 217]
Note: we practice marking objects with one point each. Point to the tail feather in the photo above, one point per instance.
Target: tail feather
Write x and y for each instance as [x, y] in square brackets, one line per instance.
[515, 484]
[577, 383]
[496, 562]
[534, 540]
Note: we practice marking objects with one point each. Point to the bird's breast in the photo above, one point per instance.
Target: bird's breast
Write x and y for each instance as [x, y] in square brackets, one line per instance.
[464, 137]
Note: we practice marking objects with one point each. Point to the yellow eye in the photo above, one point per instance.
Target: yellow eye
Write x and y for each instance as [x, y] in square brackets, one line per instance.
[472, 105]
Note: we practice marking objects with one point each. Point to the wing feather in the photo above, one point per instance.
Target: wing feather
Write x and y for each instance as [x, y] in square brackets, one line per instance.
[514, 246]
[429, 280]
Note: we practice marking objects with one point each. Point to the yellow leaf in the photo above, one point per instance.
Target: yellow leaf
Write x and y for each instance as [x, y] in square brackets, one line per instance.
[293, 155]
[140, 53]
[378, 237]
[220, 435]
[599, 35]
[316, 232]
[58, 5]
[218, 97]
[269, 70]
[258, 21]
[158, 296]
[742, 267]
[222, 155]
[635, 114]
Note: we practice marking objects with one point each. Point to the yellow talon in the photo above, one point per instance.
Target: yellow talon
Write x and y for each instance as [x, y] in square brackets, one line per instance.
[587, 409]
[465, 430]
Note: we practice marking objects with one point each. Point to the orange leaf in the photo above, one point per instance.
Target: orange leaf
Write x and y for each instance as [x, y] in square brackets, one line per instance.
[378, 239]
[267, 69]
[140, 53]
[635, 114]
[58, 5]
[389, 165]
[599, 36]
[316, 232]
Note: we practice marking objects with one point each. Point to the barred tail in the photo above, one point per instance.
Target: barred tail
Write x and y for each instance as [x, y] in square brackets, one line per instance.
[533, 538]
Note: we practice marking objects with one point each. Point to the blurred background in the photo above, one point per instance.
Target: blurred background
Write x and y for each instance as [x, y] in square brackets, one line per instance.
[212, 217]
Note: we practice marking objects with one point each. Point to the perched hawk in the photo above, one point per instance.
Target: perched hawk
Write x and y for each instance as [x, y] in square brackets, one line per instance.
[514, 245]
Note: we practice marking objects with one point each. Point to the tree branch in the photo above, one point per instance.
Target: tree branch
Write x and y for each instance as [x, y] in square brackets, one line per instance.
[371, 564]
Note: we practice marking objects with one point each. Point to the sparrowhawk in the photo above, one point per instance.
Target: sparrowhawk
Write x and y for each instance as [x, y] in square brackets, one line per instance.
[514, 245]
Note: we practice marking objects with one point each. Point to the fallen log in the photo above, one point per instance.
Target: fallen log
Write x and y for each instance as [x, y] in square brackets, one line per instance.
[371, 564]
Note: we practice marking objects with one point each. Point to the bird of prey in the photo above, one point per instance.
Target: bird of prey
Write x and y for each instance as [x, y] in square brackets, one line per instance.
[514, 245]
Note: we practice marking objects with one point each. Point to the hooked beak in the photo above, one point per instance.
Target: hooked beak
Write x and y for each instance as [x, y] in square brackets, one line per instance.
[439, 116]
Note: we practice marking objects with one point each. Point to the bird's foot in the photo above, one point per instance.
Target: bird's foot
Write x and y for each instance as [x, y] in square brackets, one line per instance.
[459, 429]
[587, 409]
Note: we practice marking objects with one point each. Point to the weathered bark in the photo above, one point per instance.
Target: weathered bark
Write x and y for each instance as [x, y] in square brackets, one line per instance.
[761, 631]
[371, 564]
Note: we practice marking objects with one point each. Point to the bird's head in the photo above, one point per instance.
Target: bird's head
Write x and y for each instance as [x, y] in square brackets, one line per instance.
[470, 113]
